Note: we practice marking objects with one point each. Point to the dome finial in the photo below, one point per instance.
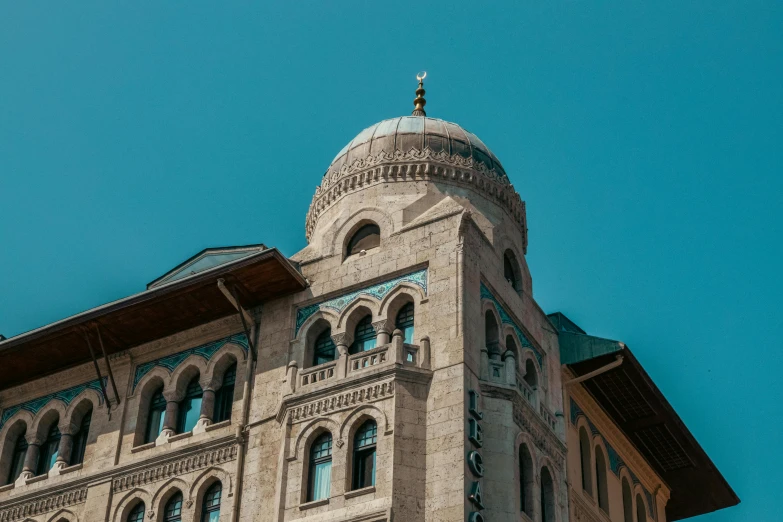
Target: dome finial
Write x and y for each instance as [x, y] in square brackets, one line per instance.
[420, 102]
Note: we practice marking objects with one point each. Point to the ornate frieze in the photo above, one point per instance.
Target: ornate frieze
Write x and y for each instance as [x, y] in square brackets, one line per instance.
[582, 511]
[340, 401]
[174, 467]
[66, 396]
[415, 165]
[49, 502]
[170, 362]
[506, 318]
[379, 291]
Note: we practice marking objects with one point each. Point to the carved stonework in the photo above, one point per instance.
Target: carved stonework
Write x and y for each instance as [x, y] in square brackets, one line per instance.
[178, 466]
[341, 401]
[380, 326]
[415, 165]
[49, 502]
[581, 511]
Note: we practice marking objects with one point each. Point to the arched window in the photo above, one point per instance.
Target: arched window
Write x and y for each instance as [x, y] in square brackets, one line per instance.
[190, 407]
[17, 458]
[547, 496]
[511, 269]
[600, 478]
[155, 415]
[531, 375]
[526, 481]
[320, 470]
[323, 350]
[173, 509]
[491, 335]
[364, 336]
[80, 439]
[364, 455]
[224, 398]
[48, 455]
[367, 237]
[627, 501]
[137, 513]
[404, 322]
[210, 510]
[641, 516]
[584, 453]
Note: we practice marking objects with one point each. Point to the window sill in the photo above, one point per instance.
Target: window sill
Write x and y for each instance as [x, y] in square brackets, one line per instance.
[218, 425]
[359, 492]
[180, 436]
[39, 478]
[314, 504]
[143, 447]
[7, 487]
[71, 469]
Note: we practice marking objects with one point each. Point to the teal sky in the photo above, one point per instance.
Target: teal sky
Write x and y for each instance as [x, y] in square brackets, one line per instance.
[644, 137]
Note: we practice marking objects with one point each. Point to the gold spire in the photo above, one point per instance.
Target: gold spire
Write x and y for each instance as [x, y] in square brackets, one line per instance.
[420, 102]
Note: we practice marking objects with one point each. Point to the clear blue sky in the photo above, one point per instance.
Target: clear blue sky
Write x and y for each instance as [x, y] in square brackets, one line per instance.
[645, 138]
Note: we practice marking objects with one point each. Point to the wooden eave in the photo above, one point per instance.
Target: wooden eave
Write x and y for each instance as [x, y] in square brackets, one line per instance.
[149, 315]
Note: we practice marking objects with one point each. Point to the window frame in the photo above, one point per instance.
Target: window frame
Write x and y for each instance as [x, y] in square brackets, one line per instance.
[405, 321]
[315, 460]
[193, 396]
[171, 507]
[49, 450]
[17, 458]
[364, 448]
[224, 397]
[322, 346]
[156, 414]
[367, 339]
[138, 509]
[80, 439]
[207, 510]
[364, 233]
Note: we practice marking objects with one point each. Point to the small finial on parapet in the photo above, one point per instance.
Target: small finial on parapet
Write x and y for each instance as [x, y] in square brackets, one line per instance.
[420, 102]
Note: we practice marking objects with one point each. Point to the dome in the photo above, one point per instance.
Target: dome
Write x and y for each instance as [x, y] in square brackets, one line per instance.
[416, 132]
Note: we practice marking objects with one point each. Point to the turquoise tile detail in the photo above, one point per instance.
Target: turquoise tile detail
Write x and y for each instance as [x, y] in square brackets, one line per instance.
[379, 291]
[505, 318]
[66, 396]
[615, 461]
[170, 362]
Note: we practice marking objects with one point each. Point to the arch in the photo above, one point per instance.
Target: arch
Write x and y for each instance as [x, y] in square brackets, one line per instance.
[14, 432]
[492, 334]
[317, 472]
[335, 240]
[314, 330]
[206, 478]
[627, 498]
[362, 454]
[155, 377]
[511, 270]
[129, 501]
[54, 411]
[355, 312]
[586, 460]
[306, 434]
[327, 314]
[365, 235]
[192, 366]
[601, 469]
[220, 362]
[360, 327]
[81, 404]
[170, 488]
[63, 514]
[547, 503]
[641, 508]
[354, 419]
[147, 388]
[79, 425]
[402, 294]
[525, 478]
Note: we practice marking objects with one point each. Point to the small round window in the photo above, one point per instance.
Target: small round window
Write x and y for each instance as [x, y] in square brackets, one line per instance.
[367, 237]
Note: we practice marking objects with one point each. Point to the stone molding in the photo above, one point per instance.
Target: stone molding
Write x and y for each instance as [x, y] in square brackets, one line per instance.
[174, 467]
[528, 419]
[50, 502]
[582, 511]
[416, 165]
[343, 400]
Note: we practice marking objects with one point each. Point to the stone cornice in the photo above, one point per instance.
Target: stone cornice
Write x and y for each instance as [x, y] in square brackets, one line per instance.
[528, 418]
[43, 504]
[416, 165]
[582, 511]
[609, 430]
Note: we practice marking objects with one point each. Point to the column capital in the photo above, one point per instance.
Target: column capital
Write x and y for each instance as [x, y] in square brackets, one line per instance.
[381, 326]
[342, 339]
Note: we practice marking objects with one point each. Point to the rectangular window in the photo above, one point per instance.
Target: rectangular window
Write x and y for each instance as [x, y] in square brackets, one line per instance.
[320, 480]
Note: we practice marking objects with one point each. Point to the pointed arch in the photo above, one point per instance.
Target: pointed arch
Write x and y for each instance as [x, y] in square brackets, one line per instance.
[585, 458]
[192, 366]
[128, 501]
[306, 434]
[354, 419]
[402, 294]
[208, 477]
[63, 514]
[14, 434]
[86, 400]
[54, 411]
[220, 362]
[172, 486]
[356, 311]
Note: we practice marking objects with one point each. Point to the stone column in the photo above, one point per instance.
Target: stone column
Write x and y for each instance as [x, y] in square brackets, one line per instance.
[207, 408]
[169, 421]
[510, 361]
[424, 352]
[64, 450]
[398, 346]
[291, 375]
[381, 332]
[30, 461]
[342, 341]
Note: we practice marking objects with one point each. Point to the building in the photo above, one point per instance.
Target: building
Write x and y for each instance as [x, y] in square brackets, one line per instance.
[397, 368]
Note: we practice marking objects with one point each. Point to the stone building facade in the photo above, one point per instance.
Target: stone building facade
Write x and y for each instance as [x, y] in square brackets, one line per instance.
[397, 368]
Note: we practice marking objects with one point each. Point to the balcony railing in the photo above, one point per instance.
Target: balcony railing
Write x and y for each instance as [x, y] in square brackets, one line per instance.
[318, 373]
[370, 358]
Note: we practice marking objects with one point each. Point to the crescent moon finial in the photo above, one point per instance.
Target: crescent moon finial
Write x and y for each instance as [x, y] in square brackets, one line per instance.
[420, 102]
[421, 75]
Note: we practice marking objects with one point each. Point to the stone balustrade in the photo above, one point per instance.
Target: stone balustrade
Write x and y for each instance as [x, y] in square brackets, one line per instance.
[370, 358]
[318, 373]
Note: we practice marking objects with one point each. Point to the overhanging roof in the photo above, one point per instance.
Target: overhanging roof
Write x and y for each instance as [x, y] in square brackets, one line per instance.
[639, 409]
[149, 315]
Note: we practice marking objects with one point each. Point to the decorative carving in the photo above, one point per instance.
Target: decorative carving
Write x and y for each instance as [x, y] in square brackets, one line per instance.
[415, 165]
[339, 443]
[170, 362]
[581, 511]
[341, 401]
[172, 468]
[380, 326]
[66, 396]
[39, 506]
[379, 291]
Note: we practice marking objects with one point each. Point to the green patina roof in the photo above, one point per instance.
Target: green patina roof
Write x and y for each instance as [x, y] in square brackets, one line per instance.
[576, 346]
